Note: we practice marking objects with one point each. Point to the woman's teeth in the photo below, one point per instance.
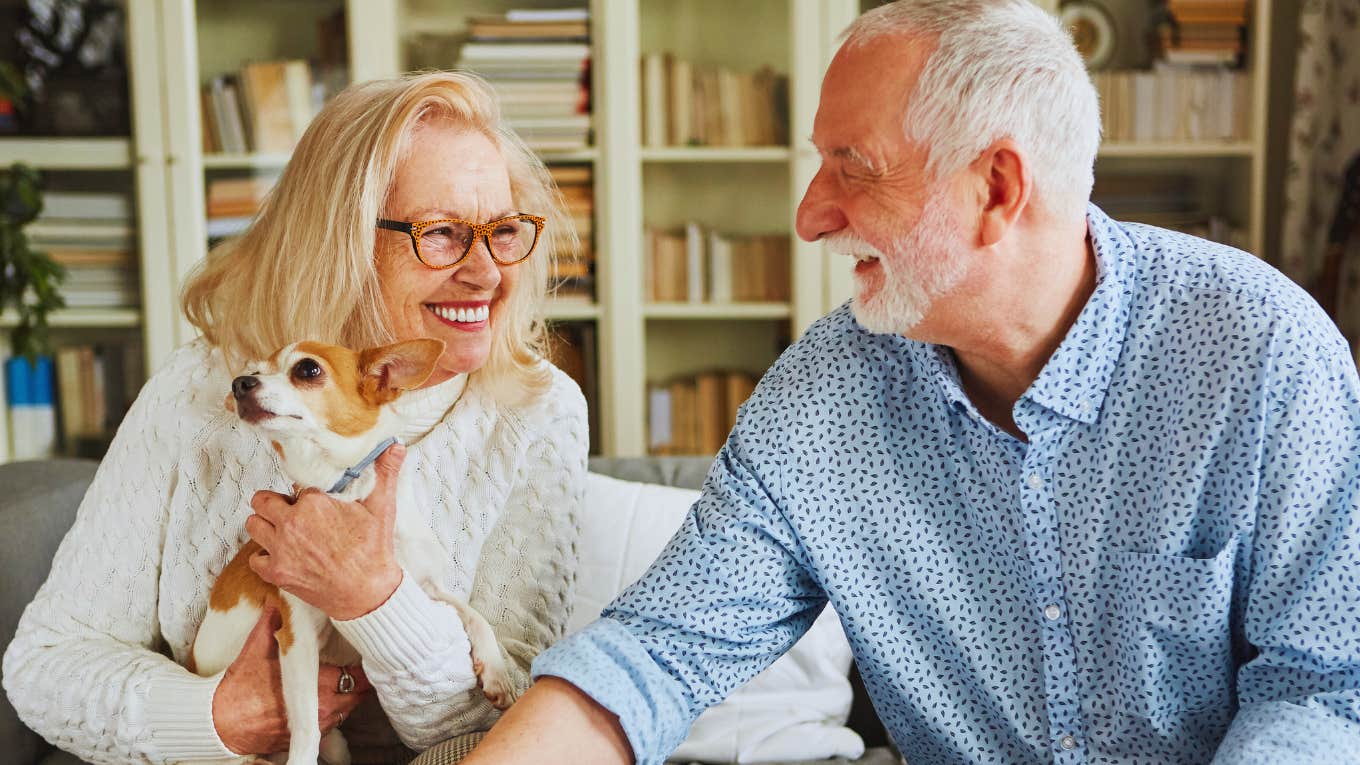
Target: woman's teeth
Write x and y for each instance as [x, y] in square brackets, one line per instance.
[464, 315]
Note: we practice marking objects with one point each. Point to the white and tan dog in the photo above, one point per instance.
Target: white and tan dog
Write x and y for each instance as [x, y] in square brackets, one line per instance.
[326, 410]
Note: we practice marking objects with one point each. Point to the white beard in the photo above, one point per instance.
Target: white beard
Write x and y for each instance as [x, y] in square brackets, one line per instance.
[924, 263]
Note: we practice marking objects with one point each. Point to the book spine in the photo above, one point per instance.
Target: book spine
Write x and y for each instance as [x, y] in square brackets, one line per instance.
[33, 419]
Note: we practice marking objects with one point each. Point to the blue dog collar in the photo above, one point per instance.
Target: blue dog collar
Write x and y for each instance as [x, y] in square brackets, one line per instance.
[353, 472]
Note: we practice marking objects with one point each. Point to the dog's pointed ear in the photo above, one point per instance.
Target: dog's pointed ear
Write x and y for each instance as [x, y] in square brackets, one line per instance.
[390, 369]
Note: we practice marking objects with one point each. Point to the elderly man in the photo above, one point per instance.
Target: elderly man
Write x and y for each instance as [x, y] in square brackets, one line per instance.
[1081, 492]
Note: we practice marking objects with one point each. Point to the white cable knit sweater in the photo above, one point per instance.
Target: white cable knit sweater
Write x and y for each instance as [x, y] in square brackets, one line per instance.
[166, 512]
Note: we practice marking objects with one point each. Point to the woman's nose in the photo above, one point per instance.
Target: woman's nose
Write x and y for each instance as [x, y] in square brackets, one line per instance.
[479, 270]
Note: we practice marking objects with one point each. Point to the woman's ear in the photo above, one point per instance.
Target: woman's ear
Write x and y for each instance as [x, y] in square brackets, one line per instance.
[389, 369]
[1004, 173]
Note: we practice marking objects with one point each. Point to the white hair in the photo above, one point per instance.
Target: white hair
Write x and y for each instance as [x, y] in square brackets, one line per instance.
[1000, 68]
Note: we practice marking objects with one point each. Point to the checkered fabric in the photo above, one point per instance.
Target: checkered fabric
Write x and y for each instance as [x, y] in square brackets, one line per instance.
[450, 751]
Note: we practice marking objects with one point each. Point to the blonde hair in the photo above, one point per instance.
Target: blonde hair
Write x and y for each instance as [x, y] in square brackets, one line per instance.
[305, 267]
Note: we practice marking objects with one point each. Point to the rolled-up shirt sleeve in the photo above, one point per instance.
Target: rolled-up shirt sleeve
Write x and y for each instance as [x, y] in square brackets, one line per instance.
[730, 593]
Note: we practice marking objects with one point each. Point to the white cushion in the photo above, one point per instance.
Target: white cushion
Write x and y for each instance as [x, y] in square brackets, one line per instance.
[794, 710]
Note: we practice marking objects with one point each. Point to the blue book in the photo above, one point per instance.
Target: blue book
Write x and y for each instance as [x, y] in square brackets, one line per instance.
[29, 388]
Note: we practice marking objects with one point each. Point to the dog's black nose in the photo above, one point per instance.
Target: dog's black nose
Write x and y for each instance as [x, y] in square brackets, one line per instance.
[241, 386]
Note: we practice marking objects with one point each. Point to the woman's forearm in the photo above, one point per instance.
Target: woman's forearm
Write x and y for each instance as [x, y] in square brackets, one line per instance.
[555, 722]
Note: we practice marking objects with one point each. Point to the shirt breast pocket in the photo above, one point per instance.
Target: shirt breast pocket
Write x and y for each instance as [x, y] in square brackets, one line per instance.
[1172, 644]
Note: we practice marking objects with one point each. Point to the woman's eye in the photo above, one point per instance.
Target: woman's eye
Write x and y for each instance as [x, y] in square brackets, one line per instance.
[306, 369]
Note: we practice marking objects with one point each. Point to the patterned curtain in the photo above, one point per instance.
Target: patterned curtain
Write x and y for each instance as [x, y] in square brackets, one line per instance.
[1324, 139]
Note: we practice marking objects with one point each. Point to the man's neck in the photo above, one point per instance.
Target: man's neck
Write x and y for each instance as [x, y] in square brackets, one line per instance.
[1010, 330]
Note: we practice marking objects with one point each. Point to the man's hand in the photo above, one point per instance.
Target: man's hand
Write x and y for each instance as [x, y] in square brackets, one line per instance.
[248, 709]
[338, 556]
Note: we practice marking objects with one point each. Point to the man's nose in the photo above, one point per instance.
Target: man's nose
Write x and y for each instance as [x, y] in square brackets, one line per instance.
[818, 213]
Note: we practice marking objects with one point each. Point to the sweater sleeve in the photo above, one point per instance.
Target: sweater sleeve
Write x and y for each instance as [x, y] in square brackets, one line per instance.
[415, 651]
[82, 669]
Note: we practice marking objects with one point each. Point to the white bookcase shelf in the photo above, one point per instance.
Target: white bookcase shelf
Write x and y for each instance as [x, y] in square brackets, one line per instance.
[175, 45]
[253, 161]
[717, 311]
[572, 310]
[83, 318]
[716, 154]
[1178, 150]
[68, 153]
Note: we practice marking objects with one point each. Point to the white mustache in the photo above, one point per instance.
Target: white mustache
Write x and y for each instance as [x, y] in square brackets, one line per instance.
[853, 246]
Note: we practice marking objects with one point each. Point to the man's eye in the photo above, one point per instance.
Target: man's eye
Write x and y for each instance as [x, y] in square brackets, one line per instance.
[306, 370]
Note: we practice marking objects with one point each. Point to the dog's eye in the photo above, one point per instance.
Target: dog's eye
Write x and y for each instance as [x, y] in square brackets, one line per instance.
[306, 370]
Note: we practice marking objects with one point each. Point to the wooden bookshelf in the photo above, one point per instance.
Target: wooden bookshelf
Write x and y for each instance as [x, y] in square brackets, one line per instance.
[68, 153]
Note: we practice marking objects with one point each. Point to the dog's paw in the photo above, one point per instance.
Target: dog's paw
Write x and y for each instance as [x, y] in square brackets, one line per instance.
[495, 686]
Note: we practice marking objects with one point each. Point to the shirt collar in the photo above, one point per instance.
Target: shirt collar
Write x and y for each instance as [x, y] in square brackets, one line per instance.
[1074, 381]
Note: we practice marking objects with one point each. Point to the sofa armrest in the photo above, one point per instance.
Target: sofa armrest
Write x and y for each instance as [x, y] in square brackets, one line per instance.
[40, 501]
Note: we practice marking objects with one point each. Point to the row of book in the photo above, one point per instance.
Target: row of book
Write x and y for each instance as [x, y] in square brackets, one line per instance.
[91, 235]
[572, 348]
[686, 103]
[698, 266]
[1203, 32]
[538, 61]
[574, 274]
[1170, 103]
[232, 202]
[266, 106]
[1166, 200]
[693, 415]
[71, 403]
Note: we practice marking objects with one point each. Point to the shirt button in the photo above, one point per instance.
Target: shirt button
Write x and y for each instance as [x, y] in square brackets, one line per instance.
[1035, 481]
[1084, 406]
[1053, 612]
[1067, 742]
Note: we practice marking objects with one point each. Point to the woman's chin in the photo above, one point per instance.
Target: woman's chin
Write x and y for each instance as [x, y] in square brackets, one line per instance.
[457, 361]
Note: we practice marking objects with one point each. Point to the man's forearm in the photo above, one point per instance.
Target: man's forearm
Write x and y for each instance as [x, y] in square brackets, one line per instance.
[555, 722]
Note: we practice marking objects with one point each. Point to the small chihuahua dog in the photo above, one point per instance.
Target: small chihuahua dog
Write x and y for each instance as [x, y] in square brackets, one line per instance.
[326, 411]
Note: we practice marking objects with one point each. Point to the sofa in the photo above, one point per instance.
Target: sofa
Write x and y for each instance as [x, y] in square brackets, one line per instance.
[39, 504]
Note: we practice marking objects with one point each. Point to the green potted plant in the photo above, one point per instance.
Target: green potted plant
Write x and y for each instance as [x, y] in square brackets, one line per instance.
[28, 278]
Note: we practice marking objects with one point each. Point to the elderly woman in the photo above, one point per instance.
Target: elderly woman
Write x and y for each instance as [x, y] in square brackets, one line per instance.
[374, 233]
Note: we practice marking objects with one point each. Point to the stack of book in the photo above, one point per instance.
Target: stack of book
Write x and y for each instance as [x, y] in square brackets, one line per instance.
[1204, 32]
[91, 235]
[691, 104]
[95, 387]
[233, 202]
[1173, 103]
[694, 415]
[538, 61]
[574, 276]
[698, 266]
[1166, 201]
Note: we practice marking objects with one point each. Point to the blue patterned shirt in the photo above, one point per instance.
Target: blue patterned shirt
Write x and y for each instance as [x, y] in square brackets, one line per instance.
[1168, 571]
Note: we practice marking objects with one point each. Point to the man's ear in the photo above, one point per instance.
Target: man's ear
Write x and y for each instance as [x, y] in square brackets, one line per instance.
[1007, 183]
[390, 369]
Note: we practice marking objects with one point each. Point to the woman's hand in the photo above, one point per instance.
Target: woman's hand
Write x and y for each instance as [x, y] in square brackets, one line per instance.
[248, 709]
[337, 556]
